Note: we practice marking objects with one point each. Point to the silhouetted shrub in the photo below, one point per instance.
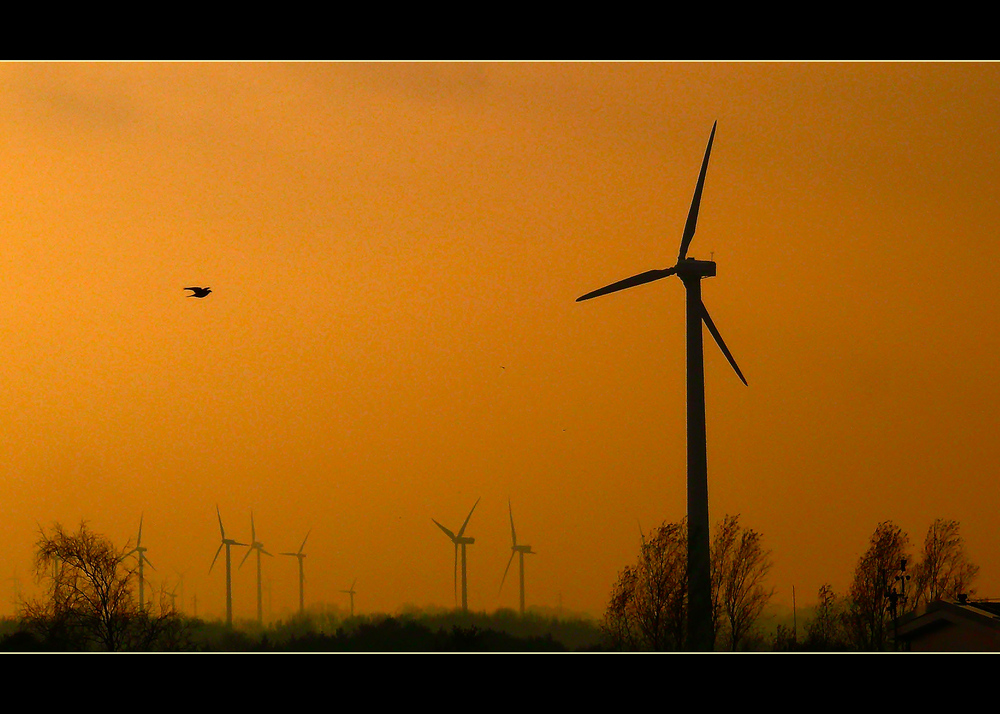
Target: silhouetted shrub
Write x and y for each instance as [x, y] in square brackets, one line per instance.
[22, 641]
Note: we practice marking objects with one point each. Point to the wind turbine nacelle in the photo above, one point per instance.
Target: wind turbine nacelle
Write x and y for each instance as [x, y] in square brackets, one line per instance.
[464, 541]
[522, 548]
[694, 268]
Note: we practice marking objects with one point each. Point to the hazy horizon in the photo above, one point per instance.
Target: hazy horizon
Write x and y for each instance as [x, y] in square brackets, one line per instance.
[395, 251]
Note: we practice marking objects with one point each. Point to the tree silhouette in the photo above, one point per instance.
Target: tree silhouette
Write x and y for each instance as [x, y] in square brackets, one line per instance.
[90, 601]
[870, 601]
[944, 570]
[826, 630]
[648, 605]
[739, 565]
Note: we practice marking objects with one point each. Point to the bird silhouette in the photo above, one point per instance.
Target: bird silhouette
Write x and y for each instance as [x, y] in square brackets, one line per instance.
[199, 292]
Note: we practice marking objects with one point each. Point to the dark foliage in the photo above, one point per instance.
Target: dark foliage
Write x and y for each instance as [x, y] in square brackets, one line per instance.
[647, 610]
[90, 602]
[401, 635]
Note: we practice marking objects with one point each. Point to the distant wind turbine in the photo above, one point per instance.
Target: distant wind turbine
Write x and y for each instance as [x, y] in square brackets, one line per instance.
[352, 593]
[227, 543]
[256, 545]
[520, 551]
[691, 272]
[140, 553]
[172, 594]
[300, 554]
[460, 540]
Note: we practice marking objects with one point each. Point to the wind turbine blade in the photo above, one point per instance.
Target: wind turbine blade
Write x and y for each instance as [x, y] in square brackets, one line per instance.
[147, 561]
[504, 578]
[513, 535]
[221, 529]
[455, 574]
[253, 531]
[640, 279]
[722, 345]
[249, 551]
[352, 584]
[692, 220]
[304, 540]
[265, 552]
[138, 539]
[216, 557]
[468, 517]
[446, 531]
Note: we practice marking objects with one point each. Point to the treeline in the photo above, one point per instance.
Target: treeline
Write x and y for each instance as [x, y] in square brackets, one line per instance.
[647, 610]
[413, 630]
[378, 633]
[889, 582]
[648, 606]
[394, 634]
[89, 603]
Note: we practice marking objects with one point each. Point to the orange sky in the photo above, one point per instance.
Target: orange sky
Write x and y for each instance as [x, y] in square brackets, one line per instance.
[395, 251]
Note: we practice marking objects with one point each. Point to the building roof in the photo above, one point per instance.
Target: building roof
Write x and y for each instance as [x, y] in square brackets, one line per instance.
[945, 626]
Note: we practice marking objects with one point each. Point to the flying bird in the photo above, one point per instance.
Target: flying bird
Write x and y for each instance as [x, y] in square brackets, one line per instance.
[199, 292]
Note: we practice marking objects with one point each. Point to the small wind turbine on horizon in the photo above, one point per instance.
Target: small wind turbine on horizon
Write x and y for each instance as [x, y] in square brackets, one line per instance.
[300, 554]
[256, 545]
[227, 543]
[518, 550]
[140, 553]
[172, 594]
[460, 540]
[352, 593]
[691, 272]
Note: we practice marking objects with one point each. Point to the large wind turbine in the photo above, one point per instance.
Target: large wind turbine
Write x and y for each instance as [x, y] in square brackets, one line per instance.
[520, 551]
[227, 543]
[256, 545]
[691, 272]
[352, 593]
[460, 540]
[302, 573]
[140, 553]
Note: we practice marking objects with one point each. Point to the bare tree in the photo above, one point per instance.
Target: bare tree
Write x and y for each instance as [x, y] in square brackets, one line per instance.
[648, 605]
[90, 601]
[826, 630]
[944, 570]
[739, 566]
[869, 613]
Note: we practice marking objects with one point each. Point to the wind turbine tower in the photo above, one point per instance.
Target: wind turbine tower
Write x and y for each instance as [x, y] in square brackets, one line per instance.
[461, 540]
[518, 550]
[227, 543]
[352, 593]
[180, 586]
[140, 553]
[256, 545]
[692, 272]
[300, 554]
